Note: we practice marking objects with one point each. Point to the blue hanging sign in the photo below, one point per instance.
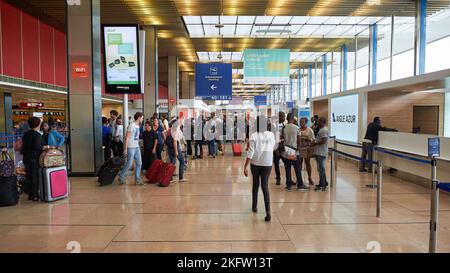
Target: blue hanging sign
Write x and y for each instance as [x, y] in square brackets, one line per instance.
[213, 81]
[260, 100]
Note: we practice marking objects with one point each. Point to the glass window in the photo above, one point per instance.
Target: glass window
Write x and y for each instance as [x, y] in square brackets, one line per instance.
[351, 56]
[403, 48]
[318, 85]
[362, 59]
[384, 50]
[329, 72]
[336, 72]
[438, 41]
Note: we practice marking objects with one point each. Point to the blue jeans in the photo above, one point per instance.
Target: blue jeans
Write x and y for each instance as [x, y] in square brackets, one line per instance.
[321, 170]
[132, 153]
[173, 160]
[212, 147]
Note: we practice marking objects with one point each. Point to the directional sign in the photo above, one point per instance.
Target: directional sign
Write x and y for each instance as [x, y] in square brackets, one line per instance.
[213, 81]
[260, 100]
[290, 104]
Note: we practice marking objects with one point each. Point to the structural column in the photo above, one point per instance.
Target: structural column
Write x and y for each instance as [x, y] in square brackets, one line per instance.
[173, 83]
[310, 81]
[324, 74]
[151, 71]
[420, 37]
[344, 61]
[191, 94]
[184, 92]
[373, 53]
[84, 96]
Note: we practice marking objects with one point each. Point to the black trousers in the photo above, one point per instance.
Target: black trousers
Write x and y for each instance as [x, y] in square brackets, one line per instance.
[297, 164]
[198, 146]
[189, 147]
[147, 159]
[32, 179]
[115, 148]
[119, 148]
[159, 150]
[276, 163]
[366, 153]
[107, 151]
[261, 176]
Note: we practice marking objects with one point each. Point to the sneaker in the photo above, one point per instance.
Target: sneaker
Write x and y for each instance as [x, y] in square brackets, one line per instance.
[268, 217]
[255, 210]
[303, 188]
[278, 182]
[320, 188]
[289, 189]
[183, 180]
[140, 184]
[122, 182]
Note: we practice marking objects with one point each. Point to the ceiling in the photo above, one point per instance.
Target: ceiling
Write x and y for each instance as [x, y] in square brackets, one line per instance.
[173, 34]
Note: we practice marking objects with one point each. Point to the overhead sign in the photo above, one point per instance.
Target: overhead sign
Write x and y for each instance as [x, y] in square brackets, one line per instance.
[434, 147]
[290, 104]
[266, 66]
[122, 71]
[344, 118]
[213, 81]
[260, 100]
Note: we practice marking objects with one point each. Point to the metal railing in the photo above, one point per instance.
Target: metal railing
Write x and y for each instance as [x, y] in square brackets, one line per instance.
[378, 164]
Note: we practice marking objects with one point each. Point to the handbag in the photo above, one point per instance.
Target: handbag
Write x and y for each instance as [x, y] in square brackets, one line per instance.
[52, 158]
[289, 153]
[6, 165]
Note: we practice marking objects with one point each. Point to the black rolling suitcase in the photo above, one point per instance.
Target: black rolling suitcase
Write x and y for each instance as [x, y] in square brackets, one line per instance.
[109, 170]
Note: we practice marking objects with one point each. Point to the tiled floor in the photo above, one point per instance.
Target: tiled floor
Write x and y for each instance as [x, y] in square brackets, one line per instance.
[212, 213]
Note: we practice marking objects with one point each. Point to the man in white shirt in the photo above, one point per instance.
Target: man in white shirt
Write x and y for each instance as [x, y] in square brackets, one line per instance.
[132, 149]
[276, 153]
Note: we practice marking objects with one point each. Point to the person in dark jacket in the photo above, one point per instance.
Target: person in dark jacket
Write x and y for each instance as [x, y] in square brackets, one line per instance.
[31, 150]
[150, 139]
[370, 140]
[107, 137]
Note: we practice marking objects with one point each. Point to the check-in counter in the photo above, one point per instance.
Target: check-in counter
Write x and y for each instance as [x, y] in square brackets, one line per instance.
[415, 145]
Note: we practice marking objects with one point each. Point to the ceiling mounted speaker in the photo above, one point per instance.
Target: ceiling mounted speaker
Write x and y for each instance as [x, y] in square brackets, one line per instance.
[219, 56]
[219, 25]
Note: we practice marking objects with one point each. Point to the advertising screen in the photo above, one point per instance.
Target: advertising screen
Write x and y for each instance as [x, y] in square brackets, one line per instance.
[121, 55]
[344, 118]
[266, 66]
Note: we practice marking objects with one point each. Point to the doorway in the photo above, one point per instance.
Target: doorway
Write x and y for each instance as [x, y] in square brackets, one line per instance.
[426, 119]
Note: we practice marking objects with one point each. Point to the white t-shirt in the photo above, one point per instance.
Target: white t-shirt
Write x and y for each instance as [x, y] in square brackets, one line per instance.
[133, 141]
[119, 132]
[261, 148]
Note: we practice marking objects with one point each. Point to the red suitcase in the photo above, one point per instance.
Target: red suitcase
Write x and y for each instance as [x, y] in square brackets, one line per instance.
[237, 151]
[166, 174]
[154, 171]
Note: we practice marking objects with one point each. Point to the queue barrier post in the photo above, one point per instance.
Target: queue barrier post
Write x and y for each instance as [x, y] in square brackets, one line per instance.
[434, 206]
[374, 171]
[379, 186]
[333, 164]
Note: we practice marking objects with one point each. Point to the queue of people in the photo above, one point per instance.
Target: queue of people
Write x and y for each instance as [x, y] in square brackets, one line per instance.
[293, 145]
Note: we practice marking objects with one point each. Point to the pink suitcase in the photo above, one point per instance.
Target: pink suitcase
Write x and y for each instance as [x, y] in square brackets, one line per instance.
[54, 184]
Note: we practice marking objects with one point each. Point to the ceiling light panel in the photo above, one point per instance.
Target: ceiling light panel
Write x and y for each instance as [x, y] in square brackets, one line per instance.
[228, 30]
[228, 20]
[323, 30]
[281, 19]
[243, 30]
[210, 20]
[192, 20]
[264, 19]
[306, 30]
[246, 19]
[195, 30]
[300, 20]
[211, 31]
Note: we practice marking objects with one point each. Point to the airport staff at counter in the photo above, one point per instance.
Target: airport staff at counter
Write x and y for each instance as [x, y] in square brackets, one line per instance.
[370, 140]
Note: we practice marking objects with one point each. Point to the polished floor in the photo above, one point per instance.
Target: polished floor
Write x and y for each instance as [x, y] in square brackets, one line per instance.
[212, 213]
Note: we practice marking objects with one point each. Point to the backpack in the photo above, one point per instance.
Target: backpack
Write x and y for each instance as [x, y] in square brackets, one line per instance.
[169, 144]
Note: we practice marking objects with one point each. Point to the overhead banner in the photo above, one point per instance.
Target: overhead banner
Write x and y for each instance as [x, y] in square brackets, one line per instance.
[266, 66]
[260, 100]
[344, 118]
[213, 81]
[122, 66]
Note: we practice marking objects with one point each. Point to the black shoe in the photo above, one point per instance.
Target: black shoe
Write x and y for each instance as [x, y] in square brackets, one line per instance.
[320, 188]
[255, 210]
[362, 170]
[289, 189]
[36, 198]
[30, 198]
[278, 182]
[268, 217]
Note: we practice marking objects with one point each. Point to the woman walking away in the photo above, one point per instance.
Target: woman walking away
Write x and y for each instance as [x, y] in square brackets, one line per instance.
[260, 156]
[31, 150]
[306, 152]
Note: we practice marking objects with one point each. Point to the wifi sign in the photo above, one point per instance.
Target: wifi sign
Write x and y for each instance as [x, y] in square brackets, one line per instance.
[79, 70]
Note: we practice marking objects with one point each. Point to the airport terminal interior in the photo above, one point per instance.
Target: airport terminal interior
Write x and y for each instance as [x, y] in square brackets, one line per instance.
[157, 113]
